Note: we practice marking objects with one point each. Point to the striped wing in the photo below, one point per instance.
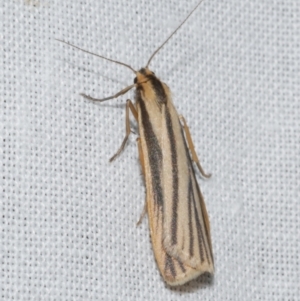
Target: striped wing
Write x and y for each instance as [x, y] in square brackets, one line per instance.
[178, 262]
[186, 233]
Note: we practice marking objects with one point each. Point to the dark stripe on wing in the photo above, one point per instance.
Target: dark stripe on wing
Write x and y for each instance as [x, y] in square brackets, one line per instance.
[191, 236]
[198, 227]
[202, 244]
[174, 185]
[192, 202]
[158, 88]
[181, 266]
[154, 152]
[169, 265]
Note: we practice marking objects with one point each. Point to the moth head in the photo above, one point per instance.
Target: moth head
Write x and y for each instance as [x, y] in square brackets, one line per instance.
[143, 75]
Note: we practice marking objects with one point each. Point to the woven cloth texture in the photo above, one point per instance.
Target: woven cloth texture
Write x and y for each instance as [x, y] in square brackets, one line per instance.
[68, 216]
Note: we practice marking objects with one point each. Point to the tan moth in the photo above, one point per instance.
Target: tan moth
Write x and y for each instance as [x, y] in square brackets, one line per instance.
[178, 219]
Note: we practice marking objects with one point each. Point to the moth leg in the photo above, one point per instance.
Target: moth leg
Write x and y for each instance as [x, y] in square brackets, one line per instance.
[141, 156]
[142, 214]
[192, 148]
[129, 106]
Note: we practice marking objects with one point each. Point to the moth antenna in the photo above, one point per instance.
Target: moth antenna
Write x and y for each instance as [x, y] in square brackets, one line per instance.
[103, 57]
[161, 46]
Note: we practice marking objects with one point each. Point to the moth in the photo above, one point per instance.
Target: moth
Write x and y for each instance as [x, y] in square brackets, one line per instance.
[178, 219]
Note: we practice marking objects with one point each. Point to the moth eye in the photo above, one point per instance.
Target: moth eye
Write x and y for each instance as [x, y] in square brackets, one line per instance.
[153, 73]
[135, 80]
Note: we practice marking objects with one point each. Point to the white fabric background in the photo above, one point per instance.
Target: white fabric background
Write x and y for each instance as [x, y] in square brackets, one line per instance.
[68, 215]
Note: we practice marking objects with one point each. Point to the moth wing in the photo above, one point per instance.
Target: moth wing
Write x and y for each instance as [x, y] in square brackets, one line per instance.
[186, 232]
[174, 270]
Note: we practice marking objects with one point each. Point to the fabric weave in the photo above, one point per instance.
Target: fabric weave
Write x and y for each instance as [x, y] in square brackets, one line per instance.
[68, 216]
